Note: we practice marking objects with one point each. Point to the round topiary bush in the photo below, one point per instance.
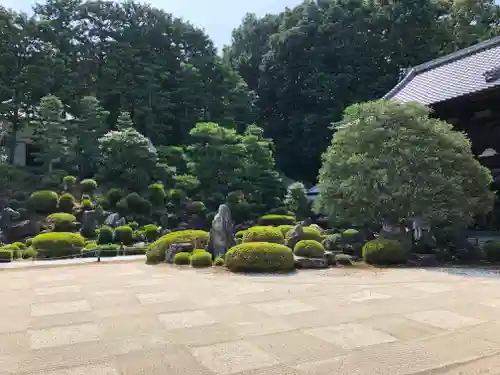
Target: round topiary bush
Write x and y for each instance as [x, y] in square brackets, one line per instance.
[134, 204]
[182, 259]
[492, 251]
[62, 221]
[113, 196]
[133, 224]
[259, 257]
[66, 203]
[87, 205]
[285, 229]
[58, 244]
[263, 234]
[277, 220]
[308, 234]
[384, 252]
[219, 262]
[309, 249]
[106, 235]
[125, 235]
[29, 253]
[152, 232]
[43, 201]
[88, 186]
[196, 207]
[350, 236]
[28, 242]
[157, 194]
[201, 259]
[240, 234]
[156, 252]
[19, 245]
[69, 182]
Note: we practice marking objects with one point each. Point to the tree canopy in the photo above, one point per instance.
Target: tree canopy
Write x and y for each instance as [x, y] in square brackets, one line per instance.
[391, 160]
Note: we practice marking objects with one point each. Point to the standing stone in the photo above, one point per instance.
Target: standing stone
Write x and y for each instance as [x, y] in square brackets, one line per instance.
[221, 237]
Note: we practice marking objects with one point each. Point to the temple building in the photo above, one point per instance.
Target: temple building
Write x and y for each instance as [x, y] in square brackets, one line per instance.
[462, 88]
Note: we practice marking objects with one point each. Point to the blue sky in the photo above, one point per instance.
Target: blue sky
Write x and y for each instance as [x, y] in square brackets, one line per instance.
[217, 17]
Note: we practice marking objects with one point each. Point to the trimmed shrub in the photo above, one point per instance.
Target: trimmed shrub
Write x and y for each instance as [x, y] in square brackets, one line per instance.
[152, 232]
[310, 249]
[69, 182]
[240, 234]
[309, 234]
[201, 259]
[88, 186]
[196, 207]
[106, 235]
[332, 242]
[19, 245]
[133, 203]
[134, 225]
[29, 253]
[259, 257]
[219, 262]
[125, 235]
[492, 251]
[182, 259]
[87, 205]
[66, 203]
[28, 242]
[263, 234]
[139, 235]
[157, 194]
[43, 201]
[176, 196]
[350, 236]
[6, 255]
[156, 252]
[58, 244]
[277, 220]
[384, 252]
[113, 196]
[63, 222]
[285, 229]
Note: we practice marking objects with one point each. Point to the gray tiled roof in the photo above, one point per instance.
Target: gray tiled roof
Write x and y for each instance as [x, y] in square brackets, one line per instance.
[451, 76]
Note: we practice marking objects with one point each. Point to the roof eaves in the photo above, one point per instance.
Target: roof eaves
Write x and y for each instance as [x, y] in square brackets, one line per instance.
[476, 48]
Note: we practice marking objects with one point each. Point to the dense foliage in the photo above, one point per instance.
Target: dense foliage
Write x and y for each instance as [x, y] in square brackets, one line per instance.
[392, 160]
[259, 257]
[308, 63]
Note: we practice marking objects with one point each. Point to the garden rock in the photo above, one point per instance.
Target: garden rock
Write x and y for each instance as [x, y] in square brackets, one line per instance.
[90, 222]
[177, 248]
[311, 263]
[113, 220]
[23, 229]
[330, 258]
[222, 232]
[344, 260]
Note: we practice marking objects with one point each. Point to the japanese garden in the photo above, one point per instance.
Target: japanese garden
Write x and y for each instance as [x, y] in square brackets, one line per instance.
[124, 132]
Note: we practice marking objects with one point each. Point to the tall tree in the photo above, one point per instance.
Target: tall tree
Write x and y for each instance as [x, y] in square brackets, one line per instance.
[49, 131]
[84, 132]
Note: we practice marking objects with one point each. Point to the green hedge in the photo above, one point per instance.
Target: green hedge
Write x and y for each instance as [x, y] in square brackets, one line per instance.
[309, 234]
[43, 201]
[125, 235]
[63, 222]
[58, 244]
[152, 232]
[259, 257]
[156, 252]
[277, 220]
[182, 259]
[263, 234]
[285, 229]
[492, 251]
[66, 203]
[219, 262]
[384, 252]
[6, 255]
[310, 249]
[106, 235]
[88, 186]
[201, 259]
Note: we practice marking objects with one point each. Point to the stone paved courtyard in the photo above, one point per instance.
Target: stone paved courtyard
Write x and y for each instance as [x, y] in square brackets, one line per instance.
[130, 318]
